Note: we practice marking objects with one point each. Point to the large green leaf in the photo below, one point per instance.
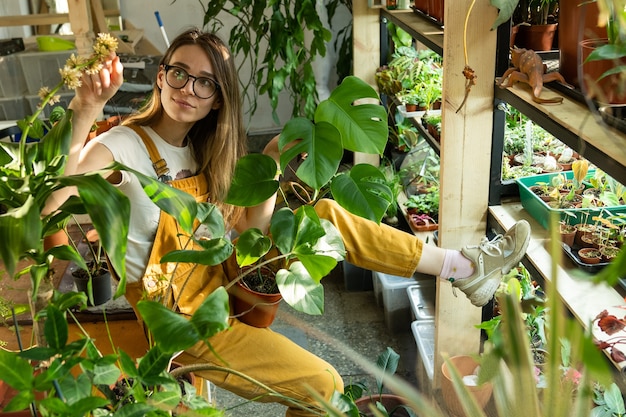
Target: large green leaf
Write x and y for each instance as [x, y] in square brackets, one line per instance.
[363, 127]
[362, 191]
[15, 371]
[20, 229]
[57, 141]
[299, 290]
[251, 245]
[177, 203]
[212, 315]
[212, 252]
[173, 332]
[254, 181]
[322, 144]
[505, 11]
[296, 232]
[55, 328]
[109, 211]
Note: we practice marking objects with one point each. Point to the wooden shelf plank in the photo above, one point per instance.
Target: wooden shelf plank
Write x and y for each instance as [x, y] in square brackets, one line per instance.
[423, 29]
[573, 124]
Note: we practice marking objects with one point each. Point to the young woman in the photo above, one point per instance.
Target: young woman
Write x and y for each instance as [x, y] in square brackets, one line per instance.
[190, 135]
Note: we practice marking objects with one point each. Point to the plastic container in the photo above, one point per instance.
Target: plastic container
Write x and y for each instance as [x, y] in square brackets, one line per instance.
[12, 81]
[395, 302]
[64, 101]
[356, 278]
[541, 212]
[422, 299]
[424, 334]
[41, 69]
[13, 108]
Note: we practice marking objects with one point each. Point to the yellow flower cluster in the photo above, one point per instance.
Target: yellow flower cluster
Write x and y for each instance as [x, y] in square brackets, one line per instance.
[75, 66]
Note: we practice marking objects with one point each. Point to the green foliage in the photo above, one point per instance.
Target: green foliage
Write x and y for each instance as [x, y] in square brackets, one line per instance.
[71, 373]
[425, 203]
[277, 41]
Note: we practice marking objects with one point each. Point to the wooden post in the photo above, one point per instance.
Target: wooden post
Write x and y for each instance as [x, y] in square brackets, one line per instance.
[366, 54]
[465, 165]
[99, 21]
[80, 20]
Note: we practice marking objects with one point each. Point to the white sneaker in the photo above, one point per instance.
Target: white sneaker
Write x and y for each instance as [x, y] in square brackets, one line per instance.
[493, 258]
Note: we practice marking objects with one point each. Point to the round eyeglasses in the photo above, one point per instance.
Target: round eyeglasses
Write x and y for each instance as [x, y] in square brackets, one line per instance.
[177, 77]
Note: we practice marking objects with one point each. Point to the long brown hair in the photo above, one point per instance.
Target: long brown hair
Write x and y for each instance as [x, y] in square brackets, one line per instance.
[219, 139]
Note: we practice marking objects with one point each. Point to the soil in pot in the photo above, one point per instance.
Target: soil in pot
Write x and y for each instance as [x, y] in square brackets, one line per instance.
[257, 299]
[608, 253]
[589, 255]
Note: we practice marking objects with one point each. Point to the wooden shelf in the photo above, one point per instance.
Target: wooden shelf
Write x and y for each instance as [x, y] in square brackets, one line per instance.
[573, 124]
[420, 27]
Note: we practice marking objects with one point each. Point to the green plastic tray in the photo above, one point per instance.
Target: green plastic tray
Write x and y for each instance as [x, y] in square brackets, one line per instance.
[541, 212]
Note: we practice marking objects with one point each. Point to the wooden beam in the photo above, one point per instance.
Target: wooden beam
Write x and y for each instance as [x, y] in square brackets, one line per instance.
[99, 21]
[80, 20]
[465, 165]
[366, 54]
[34, 19]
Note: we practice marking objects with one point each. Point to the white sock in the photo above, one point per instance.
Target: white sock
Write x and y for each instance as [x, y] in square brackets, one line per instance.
[456, 266]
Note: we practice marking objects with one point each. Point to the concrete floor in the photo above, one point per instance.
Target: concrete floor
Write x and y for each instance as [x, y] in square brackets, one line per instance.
[352, 319]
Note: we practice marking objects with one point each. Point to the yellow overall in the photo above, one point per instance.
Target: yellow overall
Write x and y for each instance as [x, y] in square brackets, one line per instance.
[261, 353]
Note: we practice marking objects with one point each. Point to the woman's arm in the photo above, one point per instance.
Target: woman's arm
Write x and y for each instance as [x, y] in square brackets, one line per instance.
[87, 106]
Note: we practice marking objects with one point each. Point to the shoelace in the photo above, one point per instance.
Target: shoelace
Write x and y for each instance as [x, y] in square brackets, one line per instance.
[490, 247]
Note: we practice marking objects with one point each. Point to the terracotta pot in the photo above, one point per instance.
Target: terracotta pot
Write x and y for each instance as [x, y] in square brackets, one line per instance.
[608, 89]
[536, 37]
[255, 308]
[465, 365]
[608, 253]
[435, 10]
[390, 401]
[422, 5]
[578, 20]
[568, 237]
[589, 256]
[582, 230]
[57, 239]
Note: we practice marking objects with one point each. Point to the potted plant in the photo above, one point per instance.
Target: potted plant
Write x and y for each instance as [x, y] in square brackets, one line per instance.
[355, 395]
[423, 209]
[92, 276]
[535, 20]
[603, 60]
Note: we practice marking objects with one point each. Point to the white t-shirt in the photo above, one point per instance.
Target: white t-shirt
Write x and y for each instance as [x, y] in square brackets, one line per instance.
[128, 149]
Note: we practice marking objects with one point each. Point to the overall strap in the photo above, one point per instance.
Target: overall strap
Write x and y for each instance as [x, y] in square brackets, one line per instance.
[158, 163]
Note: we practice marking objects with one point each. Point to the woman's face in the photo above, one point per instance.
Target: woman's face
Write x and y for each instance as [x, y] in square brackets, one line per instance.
[183, 105]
